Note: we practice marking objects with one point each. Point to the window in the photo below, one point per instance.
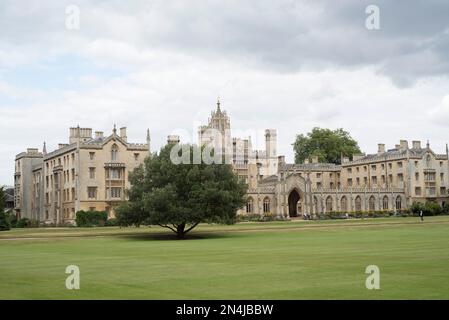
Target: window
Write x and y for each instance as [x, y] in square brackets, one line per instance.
[443, 191]
[416, 163]
[385, 203]
[373, 167]
[73, 174]
[358, 203]
[318, 175]
[92, 192]
[349, 170]
[92, 173]
[116, 192]
[417, 191]
[329, 204]
[343, 204]
[400, 177]
[399, 164]
[372, 203]
[91, 155]
[266, 205]
[382, 166]
[374, 179]
[318, 185]
[390, 165]
[349, 182]
[357, 180]
[441, 176]
[398, 203]
[114, 173]
[358, 169]
[114, 152]
[416, 176]
[136, 156]
[249, 205]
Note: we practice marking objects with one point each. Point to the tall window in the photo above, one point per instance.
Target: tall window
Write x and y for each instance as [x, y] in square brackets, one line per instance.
[329, 204]
[343, 204]
[372, 203]
[115, 192]
[249, 205]
[92, 192]
[266, 205]
[385, 203]
[114, 152]
[358, 203]
[398, 203]
[92, 173]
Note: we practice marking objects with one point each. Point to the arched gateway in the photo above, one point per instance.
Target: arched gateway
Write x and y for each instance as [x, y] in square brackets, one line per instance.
[293, 199]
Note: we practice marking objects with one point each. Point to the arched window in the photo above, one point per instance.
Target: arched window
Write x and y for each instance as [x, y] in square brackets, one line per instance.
[398, 203]
[358, 203]
[114, 151]
[372, 203]
[329, 204]
[385, 203]
[343, 204]
[266, 205]
[249, 205]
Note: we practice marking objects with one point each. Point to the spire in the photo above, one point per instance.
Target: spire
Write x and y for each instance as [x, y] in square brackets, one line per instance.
[44, 149]
[148, 139]
[218, 105]
[115, 129]
[428, 144]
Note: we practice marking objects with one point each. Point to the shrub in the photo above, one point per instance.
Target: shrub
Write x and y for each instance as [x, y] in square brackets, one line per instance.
[428, 208]
[111, 222]
[91, 218]
[26, 223]
[5, 221]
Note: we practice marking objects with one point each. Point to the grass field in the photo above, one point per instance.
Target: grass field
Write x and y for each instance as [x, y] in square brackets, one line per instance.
[277, 260]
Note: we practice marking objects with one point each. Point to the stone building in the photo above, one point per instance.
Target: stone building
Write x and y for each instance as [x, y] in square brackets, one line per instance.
[388, 180]
[87, 173]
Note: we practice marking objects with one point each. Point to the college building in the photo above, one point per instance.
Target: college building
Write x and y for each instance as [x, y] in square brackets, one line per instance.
[87, 173]
[389, 180]
[91, 173]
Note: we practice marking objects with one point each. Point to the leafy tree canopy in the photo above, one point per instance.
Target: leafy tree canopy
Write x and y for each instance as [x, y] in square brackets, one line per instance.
[180, 196]
[328, 145]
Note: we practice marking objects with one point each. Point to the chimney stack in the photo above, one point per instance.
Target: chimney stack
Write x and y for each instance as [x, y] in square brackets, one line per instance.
[380, 148]
[173, 139]
[123, 133]
[416, 144]
[403, 144]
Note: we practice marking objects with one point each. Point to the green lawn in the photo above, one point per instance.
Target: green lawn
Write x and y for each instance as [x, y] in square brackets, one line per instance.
[278, 260]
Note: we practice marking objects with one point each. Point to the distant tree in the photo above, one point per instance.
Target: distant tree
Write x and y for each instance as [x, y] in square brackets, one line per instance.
[180, 196]
[5, 223]
[328, 145]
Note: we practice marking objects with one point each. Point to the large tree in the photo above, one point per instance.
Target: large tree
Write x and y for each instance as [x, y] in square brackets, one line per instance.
[328, 145]
[180, 196]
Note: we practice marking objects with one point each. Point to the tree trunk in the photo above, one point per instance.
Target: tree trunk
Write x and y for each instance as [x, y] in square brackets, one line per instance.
[180, 230]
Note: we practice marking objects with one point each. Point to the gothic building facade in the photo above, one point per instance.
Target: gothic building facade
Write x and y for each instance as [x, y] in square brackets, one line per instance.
[87, 173]
[390, 180]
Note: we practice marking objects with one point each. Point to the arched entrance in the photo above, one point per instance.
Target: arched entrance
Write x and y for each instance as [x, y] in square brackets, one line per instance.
[293, 199]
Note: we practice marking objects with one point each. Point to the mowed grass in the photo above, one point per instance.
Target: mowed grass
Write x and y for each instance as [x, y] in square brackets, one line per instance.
[278, 260]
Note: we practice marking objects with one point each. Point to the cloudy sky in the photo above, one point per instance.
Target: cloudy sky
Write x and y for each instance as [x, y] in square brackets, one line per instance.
[160, 64]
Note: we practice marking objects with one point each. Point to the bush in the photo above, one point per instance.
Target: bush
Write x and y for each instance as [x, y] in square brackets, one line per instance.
[91, 218]
[5, 221]
[428, 208]
[26, 223]
[111, 222]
